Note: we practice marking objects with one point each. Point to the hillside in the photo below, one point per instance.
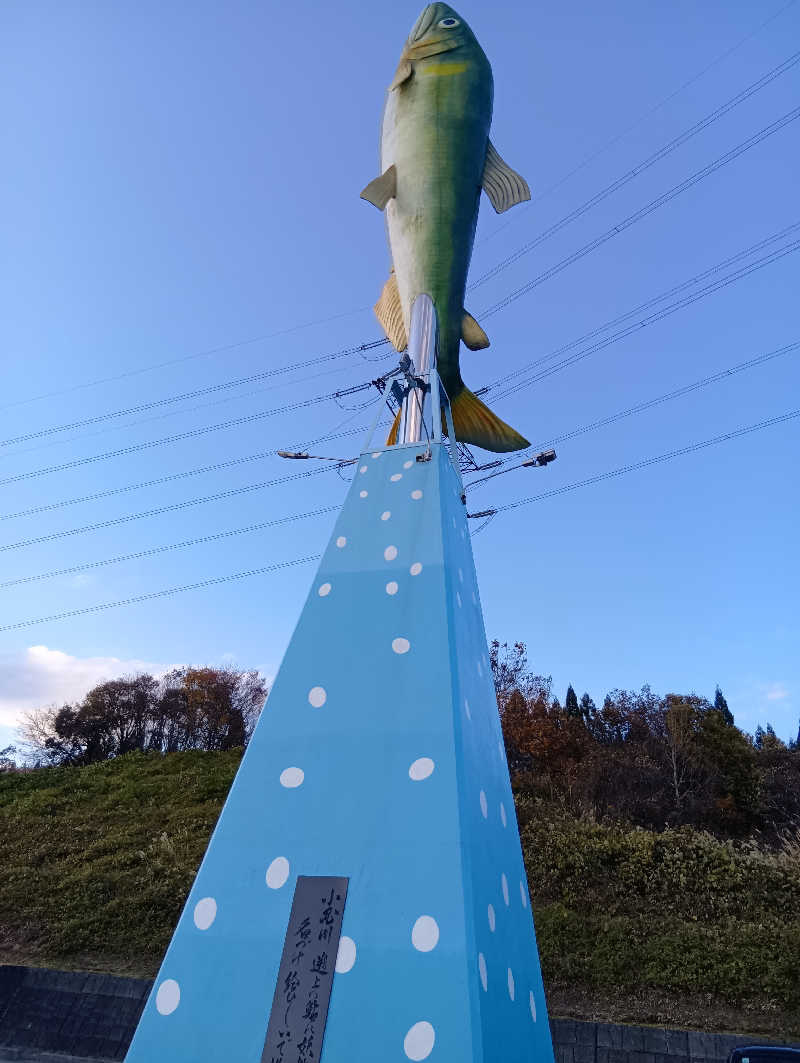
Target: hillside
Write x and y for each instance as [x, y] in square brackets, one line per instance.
[633, 925]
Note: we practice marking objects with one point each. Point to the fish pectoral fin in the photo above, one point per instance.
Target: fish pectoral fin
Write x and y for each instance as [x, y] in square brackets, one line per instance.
[472, 334]
[402, 74]
[391, 439]
[504, 186]
[389, 311]
[382, 189]
[475, 423]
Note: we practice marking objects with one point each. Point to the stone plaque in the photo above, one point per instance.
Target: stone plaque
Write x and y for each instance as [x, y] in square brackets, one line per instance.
[305, 977]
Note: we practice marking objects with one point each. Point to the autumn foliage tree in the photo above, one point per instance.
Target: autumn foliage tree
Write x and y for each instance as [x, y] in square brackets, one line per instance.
[188, 708]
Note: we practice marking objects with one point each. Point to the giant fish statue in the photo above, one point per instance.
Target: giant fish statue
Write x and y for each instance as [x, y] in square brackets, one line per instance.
[435, 158]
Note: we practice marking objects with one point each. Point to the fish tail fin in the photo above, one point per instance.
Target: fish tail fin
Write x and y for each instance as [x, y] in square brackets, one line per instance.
[475, 423]
[391, 439]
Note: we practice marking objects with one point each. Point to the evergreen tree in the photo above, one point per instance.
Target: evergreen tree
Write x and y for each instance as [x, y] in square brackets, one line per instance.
[758, 738]
[587, 708]
[721, 705]
[571, 704]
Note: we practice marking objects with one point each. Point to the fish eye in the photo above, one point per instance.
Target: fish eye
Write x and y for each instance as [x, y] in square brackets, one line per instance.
[448, 23]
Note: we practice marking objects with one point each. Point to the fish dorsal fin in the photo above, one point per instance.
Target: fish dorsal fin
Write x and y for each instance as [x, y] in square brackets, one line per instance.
[402, 74]
[389, 311]
[504, 186]
[382, 189]
[472, 334]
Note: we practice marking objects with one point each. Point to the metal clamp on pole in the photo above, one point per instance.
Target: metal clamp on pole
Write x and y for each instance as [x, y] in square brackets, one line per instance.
[422, 353]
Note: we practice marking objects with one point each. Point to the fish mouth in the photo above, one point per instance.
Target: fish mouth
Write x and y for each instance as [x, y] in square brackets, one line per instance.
[421, 43]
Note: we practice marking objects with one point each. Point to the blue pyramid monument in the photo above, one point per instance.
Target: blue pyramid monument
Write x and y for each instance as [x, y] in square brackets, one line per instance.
[367, 860]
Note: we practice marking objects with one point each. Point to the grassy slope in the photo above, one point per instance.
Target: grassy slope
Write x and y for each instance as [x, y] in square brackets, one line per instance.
[632, 926]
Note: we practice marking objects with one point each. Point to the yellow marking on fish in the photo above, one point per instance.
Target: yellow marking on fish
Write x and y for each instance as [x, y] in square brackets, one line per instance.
[441, 70]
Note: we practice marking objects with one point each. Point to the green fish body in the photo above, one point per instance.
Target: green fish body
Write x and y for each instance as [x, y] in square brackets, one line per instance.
[435, 158]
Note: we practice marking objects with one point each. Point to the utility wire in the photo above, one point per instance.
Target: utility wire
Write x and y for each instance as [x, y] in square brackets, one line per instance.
[658, 315]
[760, 245]
[183, 396]
[656, 107]
[648, 404]
[500, 509]
[644, 211]
[640, 168]
[153, 550]
[189, 434]
[658, 459]
[264, 569]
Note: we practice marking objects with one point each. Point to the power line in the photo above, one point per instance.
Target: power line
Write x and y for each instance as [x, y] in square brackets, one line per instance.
[163, 594]
[656, 107]
[658, 459]
[640, 168]
[648, 404]
[153, 550]
[500, 509]
[210, 389]
[658, 315]
[643, 212]
[189, 434]
[660, 298]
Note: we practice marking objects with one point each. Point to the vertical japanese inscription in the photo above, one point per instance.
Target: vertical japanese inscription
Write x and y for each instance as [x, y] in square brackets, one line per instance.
[305, 976]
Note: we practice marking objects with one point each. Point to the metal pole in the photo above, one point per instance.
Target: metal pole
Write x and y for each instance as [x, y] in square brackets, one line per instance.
[422, 352]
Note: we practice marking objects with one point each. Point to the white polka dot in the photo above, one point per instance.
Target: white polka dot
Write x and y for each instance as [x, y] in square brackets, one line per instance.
[504, 884]
[363, 469]
[407, 464]
[523, 895]
[317, 696]
[277, 872]
[510, 983]
[386, 514]
[458, 599]
[390, 553]
[377, 454]
[466, 709]
[401, 645]
[482, 971]
[484, 805]
[421, 769]
[324, 590]
[346, 956]
[341, 541]
[503, 818]
[460, 576]
[392, 587]
[533, 1007]
[291, 778]
[363, 494]
[168, 997]
[416, 494]
[425, 934]
[492, 917]
[205, 912]
[395, 477]
[415, 569]
[418, 1042]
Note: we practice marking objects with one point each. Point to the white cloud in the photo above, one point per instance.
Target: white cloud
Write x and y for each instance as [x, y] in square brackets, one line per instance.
[39, 676]
[776, 692]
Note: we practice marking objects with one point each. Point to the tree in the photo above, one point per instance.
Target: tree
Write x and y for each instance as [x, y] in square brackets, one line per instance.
[758, 737]
[571, 705]
[721, 705]
[587, 707]
[7, 762]
[189, 708]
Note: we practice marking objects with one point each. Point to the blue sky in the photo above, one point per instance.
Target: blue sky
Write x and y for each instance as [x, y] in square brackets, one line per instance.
[184, 177]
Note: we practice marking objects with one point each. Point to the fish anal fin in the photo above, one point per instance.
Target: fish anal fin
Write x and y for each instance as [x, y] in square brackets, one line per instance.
[382, 189]
[391, 439]
[402, 74]
[504, 186]
[476, 424]
[389, 312]
[472, 334]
